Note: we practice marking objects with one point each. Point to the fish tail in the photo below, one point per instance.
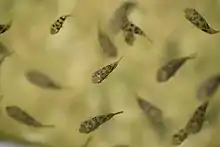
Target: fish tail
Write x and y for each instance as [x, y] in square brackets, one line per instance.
[192, 56]
[48, 126]
[116, 113]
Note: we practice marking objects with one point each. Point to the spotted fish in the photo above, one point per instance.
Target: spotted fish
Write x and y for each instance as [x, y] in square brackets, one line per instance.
[101, 74]
[170, 68]
[208, 88]
[197, 20]
[128, 26]
[21, 116]
[194, 125]
[121, 13]
[5, 27]
[179, 137]
[95, 122]
[58, 24]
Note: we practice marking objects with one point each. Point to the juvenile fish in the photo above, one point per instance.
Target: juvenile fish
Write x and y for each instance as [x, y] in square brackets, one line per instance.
[95, 122]
[179, 137]
[41, 80]
[170, 68]
[5, 27]
[194, 125]
[128, 26]
[208, 88]
[121, 13]
[129, 38]
[154, 114]
[106, 44]
[58, 24]
[197, 20]
[21, 116]
[101, 74]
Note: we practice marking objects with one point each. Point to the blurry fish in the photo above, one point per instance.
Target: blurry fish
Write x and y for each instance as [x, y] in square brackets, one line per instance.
[87, 142]
[21, 116]
[129, 38]
[101, 74]
[4, 50]
[5, 27]
[179, 137]
[95, 122]
[208, 88]
[170, 68]
[196, 19]
[108, 47]
[120, 15]
[154, 114]
[41, 80]
[58, 24]
[194, 125]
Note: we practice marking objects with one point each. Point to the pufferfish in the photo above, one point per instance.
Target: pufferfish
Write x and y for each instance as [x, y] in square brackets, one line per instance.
[101, 74]
[58, 24]
[197, 20]
[95, 122]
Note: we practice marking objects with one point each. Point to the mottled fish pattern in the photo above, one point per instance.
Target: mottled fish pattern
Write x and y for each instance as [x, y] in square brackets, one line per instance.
[197, 20]
[95, 122]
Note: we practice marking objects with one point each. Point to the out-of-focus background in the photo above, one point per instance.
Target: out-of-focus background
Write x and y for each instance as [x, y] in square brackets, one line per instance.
[74, 53]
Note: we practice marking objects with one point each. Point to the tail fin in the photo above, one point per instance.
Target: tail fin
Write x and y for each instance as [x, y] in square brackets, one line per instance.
[118, 112]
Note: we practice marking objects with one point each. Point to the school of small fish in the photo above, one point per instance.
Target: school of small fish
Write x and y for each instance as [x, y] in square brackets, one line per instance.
[205, 91]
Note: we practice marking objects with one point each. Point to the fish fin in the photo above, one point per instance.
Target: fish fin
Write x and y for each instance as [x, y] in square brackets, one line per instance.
[116, 113]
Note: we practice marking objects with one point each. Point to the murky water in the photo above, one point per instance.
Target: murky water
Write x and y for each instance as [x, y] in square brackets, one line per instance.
[71, 56]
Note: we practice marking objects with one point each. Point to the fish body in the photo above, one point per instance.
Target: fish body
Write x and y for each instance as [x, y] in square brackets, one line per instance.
[195, 123]
[95, 122]
[179, 137]
[199, 21]
[169, 69]
[151, 111]
[21, 116]
[107, 45]
[41, 80]
[129, 38]
[58, 24]
[208, 88]
[120, 15]
[5, 27]
[101, 74]
[131, 27]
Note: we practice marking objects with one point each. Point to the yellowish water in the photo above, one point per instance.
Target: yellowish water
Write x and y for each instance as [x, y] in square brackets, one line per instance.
[71, 56]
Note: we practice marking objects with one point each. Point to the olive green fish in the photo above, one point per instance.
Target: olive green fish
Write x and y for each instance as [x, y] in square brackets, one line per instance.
[179, 137]
[101, 74]
[21, 116]
[195, 123]
[198, 20]
[5, 27]
[129, 38]
[208, 87]
[170, 68]
[41, 80]
[58, 24]
[95, 122]
[106, 44]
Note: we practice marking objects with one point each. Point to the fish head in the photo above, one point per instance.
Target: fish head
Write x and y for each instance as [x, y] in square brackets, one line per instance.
[12, 110]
